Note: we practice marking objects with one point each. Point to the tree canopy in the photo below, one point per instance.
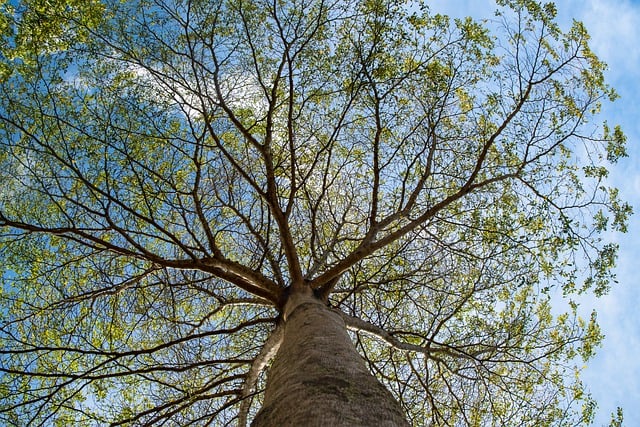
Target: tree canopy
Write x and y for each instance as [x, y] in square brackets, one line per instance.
[171, 169]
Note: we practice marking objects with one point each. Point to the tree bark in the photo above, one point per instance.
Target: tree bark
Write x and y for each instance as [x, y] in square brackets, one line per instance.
[319, 379]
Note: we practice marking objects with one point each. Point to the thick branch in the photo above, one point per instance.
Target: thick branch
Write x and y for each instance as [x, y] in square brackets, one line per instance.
[238, 274]
[268, 352]
[356, 324]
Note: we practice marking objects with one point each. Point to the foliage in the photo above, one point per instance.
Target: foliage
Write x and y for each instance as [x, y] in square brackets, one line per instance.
[171, 167]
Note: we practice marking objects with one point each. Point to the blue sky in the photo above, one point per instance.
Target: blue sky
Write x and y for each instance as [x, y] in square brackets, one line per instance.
[613, 376]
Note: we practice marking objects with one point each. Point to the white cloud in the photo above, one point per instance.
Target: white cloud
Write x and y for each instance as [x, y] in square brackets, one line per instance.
[614, 26]
[239, 90]
[613, 376]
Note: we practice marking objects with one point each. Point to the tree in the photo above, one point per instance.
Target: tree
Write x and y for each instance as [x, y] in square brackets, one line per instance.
[200, 199]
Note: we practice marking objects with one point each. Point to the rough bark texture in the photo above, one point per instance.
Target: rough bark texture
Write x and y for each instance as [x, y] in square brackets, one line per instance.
[319, 379]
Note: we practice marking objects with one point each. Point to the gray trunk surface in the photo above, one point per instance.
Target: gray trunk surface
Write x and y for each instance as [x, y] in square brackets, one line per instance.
[319, 379]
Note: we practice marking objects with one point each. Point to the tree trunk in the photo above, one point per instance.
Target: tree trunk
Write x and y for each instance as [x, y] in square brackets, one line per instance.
[319, 379]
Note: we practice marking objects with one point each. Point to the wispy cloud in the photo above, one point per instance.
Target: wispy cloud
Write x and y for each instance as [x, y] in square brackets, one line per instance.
[614, 28]
[613, 376]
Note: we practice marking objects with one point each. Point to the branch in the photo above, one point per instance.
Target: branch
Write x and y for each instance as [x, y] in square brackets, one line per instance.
[358, 325]
[268, 352]
[245, 278]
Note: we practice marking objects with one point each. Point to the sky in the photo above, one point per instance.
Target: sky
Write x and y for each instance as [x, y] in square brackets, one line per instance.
[613, 376]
